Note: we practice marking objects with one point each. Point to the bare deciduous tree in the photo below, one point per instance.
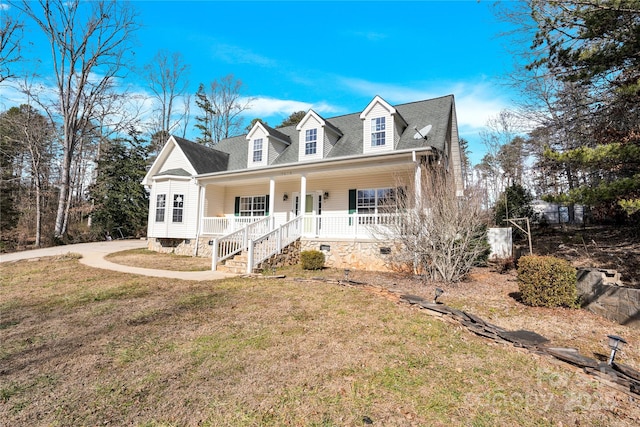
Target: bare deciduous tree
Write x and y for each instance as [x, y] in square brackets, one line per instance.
[221, 108]
[167, 78]
[9, 43]
[89, 42]
[500, 131]
[31, 133]
[439, 234]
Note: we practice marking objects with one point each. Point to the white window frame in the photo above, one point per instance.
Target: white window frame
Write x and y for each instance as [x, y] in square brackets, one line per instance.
[161, 207]
[253, 206]
[258, 148]
[311, 142]
[370, 201]
[177, 214]
[378, 131]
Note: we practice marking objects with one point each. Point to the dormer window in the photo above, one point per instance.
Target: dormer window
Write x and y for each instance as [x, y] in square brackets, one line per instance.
[311, 141]
[378, 132]
[382, 127]
[257, 150]
[316, 137]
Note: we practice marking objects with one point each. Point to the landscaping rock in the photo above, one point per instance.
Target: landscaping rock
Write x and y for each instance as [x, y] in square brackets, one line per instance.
[522, 338]
[601, 293]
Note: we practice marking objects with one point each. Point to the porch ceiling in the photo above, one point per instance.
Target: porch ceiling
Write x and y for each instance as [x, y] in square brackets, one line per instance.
[333, 170]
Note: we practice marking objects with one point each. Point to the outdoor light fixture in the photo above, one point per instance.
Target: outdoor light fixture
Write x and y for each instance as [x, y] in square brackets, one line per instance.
[326, 195]
[615, 343]
[285, 197]
[438, 293]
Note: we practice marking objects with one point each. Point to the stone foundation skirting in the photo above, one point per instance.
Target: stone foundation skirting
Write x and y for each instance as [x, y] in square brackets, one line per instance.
[290, 255]
[358, 255]
[184, 247]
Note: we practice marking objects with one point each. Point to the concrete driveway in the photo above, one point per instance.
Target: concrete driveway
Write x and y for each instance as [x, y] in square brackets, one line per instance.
[93, 256]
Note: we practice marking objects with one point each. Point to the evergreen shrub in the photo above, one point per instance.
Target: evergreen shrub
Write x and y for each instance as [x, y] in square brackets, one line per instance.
[547, 281]
[312, 260]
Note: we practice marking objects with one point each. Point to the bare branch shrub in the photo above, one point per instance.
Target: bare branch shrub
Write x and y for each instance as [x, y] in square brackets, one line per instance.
[438, 234]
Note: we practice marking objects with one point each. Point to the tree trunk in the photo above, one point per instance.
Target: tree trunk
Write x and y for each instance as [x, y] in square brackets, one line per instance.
[38, 211]
[65, 183]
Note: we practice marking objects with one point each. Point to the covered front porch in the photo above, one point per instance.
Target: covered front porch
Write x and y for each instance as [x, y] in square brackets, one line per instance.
[343, 199]
[328, 225]
[256, 213]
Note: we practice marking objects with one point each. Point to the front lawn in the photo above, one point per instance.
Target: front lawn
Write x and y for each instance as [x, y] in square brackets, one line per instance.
[81, 346]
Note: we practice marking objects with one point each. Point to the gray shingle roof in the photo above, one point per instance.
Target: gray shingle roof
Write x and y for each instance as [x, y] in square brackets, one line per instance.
[203, 158]
[174, 172]
[276, 133]
[436, 112]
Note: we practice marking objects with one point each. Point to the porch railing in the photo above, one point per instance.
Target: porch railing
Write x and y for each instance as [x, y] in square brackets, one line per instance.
[355, 226]
[226, 225]
[273, 242]
[233, 243]
[261, 240]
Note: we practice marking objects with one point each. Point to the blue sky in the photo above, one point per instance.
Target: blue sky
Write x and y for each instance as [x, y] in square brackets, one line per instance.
[335, 56]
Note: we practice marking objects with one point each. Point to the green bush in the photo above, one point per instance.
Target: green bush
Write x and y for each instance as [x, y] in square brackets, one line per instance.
[312, 260]
[547, 281]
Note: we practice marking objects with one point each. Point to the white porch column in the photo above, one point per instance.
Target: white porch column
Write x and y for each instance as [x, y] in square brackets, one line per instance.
[200, 219]
[272, 195]
[303, 195]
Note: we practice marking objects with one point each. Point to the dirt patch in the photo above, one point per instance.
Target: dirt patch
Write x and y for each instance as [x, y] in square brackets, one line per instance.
[595, 246]
[494, 297]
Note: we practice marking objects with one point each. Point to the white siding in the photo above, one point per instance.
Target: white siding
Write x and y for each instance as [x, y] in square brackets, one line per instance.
[330, 140]
[454, 157]
[187, 228]
[177, 160]
[158, 229]
[214, 201]
[378, 110]
[258, 134]
[275, 149]
[398, 128]
[311, 123]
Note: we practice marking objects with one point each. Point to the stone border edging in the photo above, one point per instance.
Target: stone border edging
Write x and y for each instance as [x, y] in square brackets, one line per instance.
[619, 376]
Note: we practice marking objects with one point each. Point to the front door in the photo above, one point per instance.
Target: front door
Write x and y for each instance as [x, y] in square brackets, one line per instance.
[312, 209]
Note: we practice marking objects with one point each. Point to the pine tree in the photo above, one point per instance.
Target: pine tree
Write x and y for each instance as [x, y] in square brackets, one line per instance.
[293, 119]
[588, 50]
[121, 202]
[205, 121]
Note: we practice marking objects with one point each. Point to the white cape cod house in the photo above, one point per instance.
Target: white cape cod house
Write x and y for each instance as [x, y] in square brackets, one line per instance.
[318, 184]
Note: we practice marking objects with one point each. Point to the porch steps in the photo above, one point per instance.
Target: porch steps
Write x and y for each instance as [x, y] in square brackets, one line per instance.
[235, 265]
